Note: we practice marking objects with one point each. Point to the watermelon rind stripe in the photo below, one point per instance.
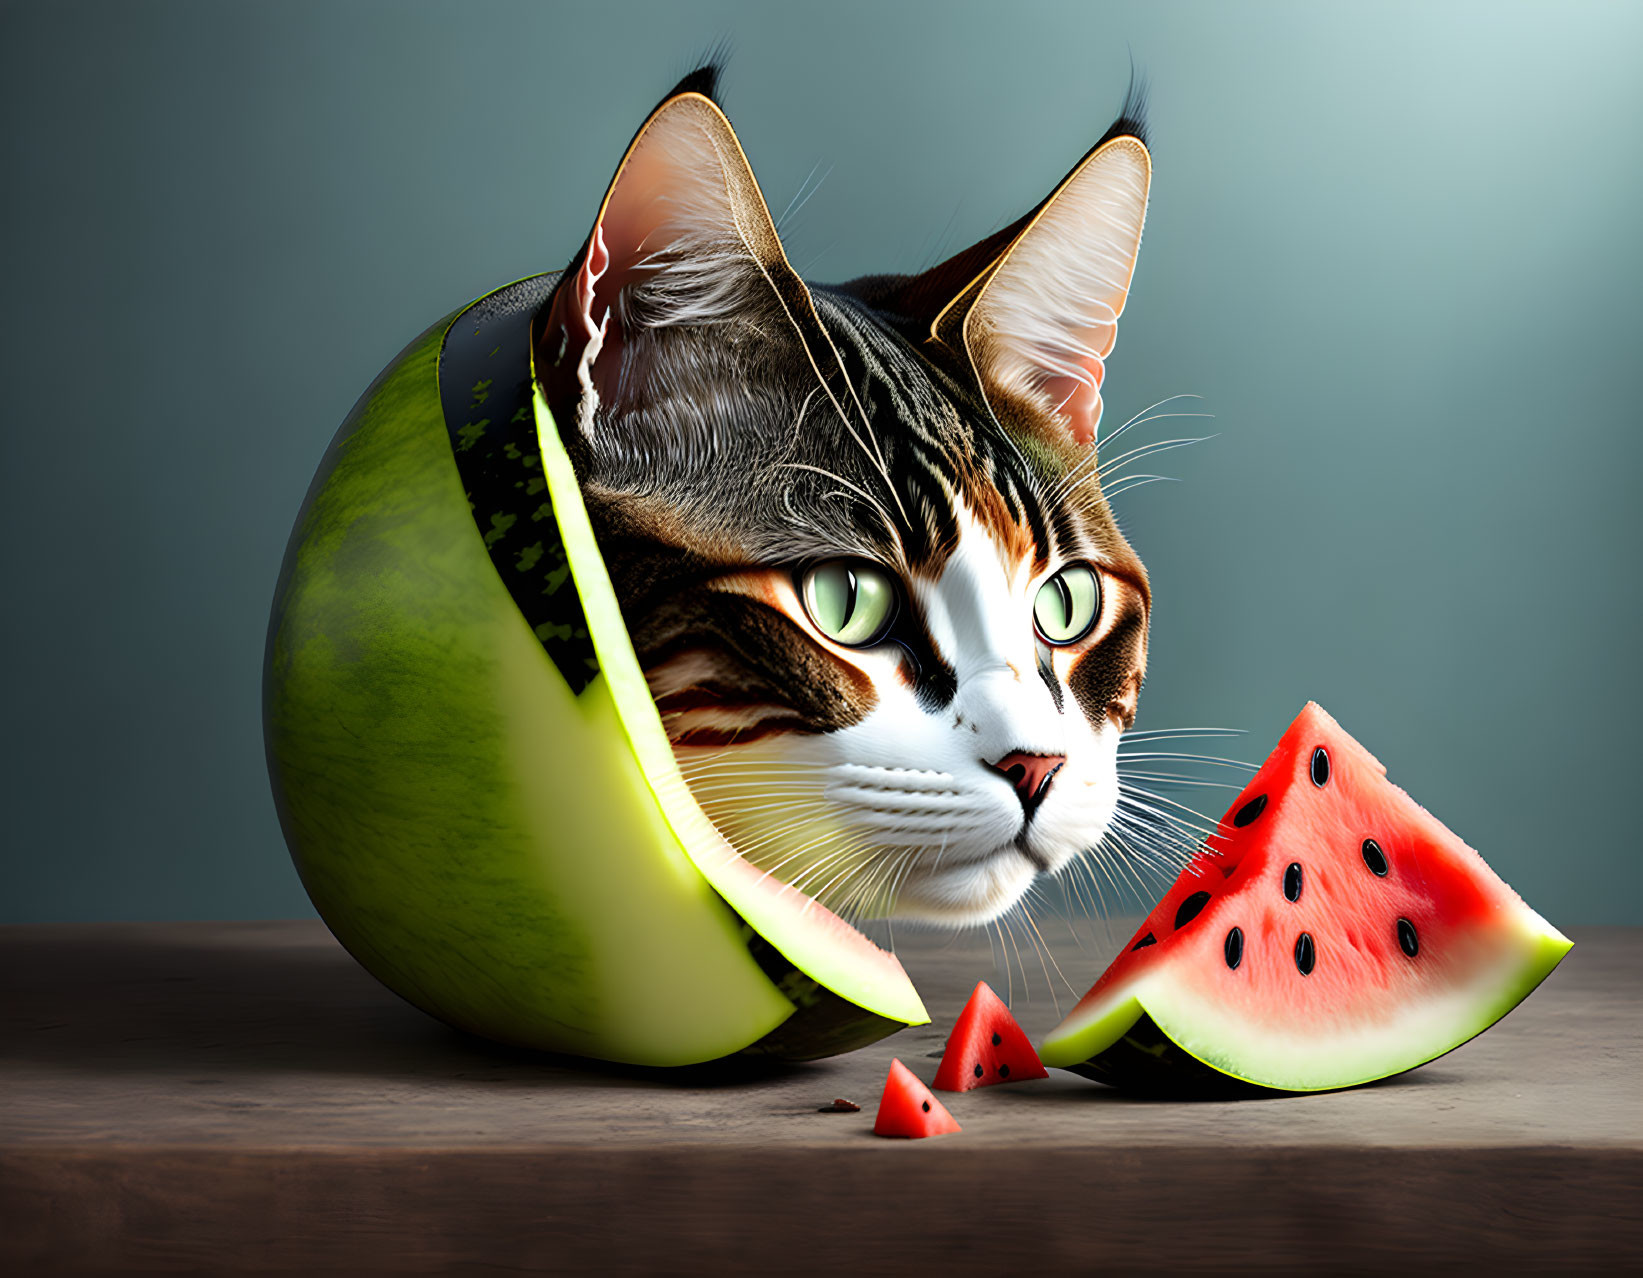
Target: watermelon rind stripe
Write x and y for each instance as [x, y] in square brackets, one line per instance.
[487, 393]
[417, 735]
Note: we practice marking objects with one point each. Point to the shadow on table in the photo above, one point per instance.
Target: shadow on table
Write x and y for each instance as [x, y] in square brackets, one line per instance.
[1099, 1093]
[191, 1000]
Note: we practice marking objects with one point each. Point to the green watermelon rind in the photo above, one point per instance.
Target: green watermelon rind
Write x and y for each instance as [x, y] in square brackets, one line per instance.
[483, 838]
[1236, 1049]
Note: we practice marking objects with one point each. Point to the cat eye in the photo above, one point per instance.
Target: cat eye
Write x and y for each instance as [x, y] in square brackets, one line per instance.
[851, 602]
[1068, 604]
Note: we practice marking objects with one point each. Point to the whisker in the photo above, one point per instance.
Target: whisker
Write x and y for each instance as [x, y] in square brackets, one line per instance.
[786, 853]
[872, 502]
[801, 197]
[1158, 852]
[1076, 475]
[1208, 824]
[1166, 844]
[1070, 888]
[1004, 922]
[1168, 399]
[1066, 884]
[1143, 451]
[1159, 734]
[1164, 848]
[1130, 482]
[849, 855]
[893, 893]
[992, 928]
[861, 896]
[814, 867]
[1099, 861]
[710, 767]
[1171, 779]
[1189, 758]
[1042, 946]
[1156, 417]
[875, 455]
[1127, 864]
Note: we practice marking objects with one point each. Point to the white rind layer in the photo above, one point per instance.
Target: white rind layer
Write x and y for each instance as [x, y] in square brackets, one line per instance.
[1294, 1057]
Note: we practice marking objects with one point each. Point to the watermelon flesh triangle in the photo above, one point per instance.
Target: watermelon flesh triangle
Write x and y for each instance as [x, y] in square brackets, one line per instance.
[908, 1108]
[1331, 932]
[986, 1047]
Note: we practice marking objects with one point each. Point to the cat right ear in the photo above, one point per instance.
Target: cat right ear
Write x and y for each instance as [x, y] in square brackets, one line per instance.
[683, 238]
[1032, 311]
[1039, 326]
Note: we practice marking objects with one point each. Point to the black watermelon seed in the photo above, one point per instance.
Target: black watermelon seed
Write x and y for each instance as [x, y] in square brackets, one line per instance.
[1374, 858]
[1407, 938]
[997, 1040]
[1003, 1071]
[1191, 908]
[1320, 766]
[1148, 939]
[978, 1071]
[1235, 947]
[1250, 811]
[1292, 881]
[1306, 954]
[926, 1107]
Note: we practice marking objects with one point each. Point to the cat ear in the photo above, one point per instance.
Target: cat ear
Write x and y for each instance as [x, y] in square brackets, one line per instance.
[1037, 324]
[1032, 309]
[683, 238]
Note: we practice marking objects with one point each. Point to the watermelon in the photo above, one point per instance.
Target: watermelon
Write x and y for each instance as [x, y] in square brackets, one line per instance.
[470, 771]
[986, 1047]
[908, 1108]
[1331, 932]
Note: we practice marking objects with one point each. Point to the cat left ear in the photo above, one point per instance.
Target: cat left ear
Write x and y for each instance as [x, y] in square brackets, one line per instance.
[1038, 323]
[683, 240]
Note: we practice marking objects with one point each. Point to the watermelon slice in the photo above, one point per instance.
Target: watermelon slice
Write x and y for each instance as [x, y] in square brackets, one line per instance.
[986, 1047]
[1331, 932]
[907, 1107]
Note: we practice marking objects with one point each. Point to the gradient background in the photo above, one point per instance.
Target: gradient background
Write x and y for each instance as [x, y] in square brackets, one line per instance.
[1397, 248]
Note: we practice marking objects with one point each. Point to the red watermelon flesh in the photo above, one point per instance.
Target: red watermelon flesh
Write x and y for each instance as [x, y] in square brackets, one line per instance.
[907, 1107]
[986, 1047]
[1331, 932]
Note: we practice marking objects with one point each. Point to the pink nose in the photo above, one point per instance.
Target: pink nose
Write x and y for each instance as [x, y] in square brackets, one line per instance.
[1030, 774]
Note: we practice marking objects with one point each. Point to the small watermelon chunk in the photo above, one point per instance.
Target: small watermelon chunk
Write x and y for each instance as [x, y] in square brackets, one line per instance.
[986, 1047]
[907, 1107]
[1331, 932]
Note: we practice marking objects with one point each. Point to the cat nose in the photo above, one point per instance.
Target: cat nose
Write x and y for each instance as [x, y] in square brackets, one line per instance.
[1030, 774]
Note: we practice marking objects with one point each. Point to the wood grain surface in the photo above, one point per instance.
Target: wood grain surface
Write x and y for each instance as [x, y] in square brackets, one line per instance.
[242, 1097]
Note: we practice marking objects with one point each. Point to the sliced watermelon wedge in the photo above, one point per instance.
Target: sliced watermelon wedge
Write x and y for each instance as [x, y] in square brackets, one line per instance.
[1331, 932]
[908, 1108]
[986, 1047]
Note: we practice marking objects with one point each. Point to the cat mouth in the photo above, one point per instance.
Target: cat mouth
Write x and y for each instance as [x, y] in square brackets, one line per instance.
[1036, 859]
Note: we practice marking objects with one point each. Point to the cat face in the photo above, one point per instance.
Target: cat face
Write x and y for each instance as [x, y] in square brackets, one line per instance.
[857, 531]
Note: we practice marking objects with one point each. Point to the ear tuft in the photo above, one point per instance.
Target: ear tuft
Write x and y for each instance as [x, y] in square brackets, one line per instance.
[1132, 113]
[705, 78]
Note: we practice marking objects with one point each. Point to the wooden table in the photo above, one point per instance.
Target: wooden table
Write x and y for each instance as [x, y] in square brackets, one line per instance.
[241, 1097]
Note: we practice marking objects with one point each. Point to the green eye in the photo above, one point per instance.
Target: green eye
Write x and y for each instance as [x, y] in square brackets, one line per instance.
[850, 602]
[1068, 604]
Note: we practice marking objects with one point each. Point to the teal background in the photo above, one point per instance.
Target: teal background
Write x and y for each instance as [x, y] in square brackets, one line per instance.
[1395, 247]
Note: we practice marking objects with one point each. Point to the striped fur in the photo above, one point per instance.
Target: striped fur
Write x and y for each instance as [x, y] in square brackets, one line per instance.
[728, 438]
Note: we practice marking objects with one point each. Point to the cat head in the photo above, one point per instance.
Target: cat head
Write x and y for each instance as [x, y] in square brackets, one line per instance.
[857, 530]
